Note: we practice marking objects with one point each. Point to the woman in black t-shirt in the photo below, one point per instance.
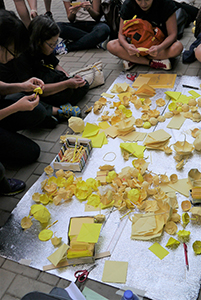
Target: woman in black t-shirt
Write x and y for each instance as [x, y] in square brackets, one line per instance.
[160, 13]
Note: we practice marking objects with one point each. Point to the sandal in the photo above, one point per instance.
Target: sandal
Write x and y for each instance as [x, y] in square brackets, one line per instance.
[68, 110]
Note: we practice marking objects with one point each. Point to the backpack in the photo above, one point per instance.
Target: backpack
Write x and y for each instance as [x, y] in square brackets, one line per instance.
[142, 34]
[110, 9]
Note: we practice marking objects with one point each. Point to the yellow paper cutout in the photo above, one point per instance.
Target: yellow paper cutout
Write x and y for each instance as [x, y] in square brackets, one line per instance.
[106, 95]
[182, 186]
[99, 140]
[90, 130]
[111, 131]
[173, 95]
[157, 81]
[183, 99]
[145, 91]
[115, 271]
[176, 122]
[91, 208]
[133, 136]
[194, 94]
[158, 250]
[140, 81]
[122, 95]
[134, 149]
[104, 125]
[89, 233]
[120, 87]
[55, 257]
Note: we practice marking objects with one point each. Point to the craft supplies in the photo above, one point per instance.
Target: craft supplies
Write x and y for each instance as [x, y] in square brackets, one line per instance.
[186, 256]
[81, 275]
[73, 154]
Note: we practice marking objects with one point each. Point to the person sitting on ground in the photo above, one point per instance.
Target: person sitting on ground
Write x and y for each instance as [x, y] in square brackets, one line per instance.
[17, 113]
[84, 29]
[160, 13]
[194, 52]
[61, 92]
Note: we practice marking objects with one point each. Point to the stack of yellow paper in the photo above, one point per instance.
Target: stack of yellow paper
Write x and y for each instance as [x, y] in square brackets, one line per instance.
[83, 235]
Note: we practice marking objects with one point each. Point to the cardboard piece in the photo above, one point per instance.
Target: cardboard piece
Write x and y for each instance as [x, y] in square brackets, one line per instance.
[157, 81]
[115, 271]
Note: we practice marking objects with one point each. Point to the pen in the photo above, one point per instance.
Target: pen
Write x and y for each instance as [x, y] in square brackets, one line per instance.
[186, 256]
[190, 87]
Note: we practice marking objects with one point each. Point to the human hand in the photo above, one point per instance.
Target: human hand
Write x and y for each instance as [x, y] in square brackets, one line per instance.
[153, 51]
[132, 50]
[76, 82]
[33, 13]
[27, 103]
[87, 5]
[31, 84]
[74, 9]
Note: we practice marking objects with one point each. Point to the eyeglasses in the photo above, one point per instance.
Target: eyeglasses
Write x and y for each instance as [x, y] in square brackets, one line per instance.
[52, 46]
[9, 51]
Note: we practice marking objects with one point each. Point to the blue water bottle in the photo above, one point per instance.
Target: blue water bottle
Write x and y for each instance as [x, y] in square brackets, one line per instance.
[128, 295]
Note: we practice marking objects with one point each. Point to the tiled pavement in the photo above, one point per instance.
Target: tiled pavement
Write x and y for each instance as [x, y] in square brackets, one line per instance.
[16, 280]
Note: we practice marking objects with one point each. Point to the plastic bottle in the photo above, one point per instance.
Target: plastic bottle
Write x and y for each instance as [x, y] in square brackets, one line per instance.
[128, 295]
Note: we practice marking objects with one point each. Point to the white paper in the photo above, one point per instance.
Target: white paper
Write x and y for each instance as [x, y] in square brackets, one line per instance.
[74, 292]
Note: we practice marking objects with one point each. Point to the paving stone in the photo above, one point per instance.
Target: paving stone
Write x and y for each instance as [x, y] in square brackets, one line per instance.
[21, 269]
[22, 285]
[54, 135]
[6, 280]
[46, 157]
[4, 216]
[40, 169]
[26, 171]
[9, 297]
[48, 278]
[2, 260]
[8, 203]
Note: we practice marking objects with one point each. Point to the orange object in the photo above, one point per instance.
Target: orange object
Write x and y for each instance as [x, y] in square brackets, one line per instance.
[142, 34]
[186, 205]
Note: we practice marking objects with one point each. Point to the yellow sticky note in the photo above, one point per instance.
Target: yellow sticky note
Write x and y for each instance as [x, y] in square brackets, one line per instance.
[115, 271]
[158, 250]
[134, 149]
[106, 95]
[89, 233]
[90, 130]
[55, 257]
[104, 125]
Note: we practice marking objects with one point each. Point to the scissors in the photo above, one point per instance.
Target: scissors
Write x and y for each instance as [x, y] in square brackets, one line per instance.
[131, 76]
[82, 275]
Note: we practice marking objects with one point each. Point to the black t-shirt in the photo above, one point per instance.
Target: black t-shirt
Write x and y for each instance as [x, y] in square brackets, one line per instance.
[25, 66]
[157, 15]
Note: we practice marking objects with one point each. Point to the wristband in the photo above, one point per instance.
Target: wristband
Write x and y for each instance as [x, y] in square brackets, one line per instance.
[33, 10]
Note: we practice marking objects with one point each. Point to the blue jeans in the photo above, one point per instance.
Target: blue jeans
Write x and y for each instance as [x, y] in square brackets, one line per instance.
[83, 34]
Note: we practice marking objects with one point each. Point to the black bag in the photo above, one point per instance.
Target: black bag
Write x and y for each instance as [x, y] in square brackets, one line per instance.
[182, 19]
[50, 75]
[111, 11]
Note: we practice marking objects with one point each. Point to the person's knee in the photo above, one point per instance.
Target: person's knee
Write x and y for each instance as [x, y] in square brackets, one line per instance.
[177, 48]
[32, 153]
[112, 45]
